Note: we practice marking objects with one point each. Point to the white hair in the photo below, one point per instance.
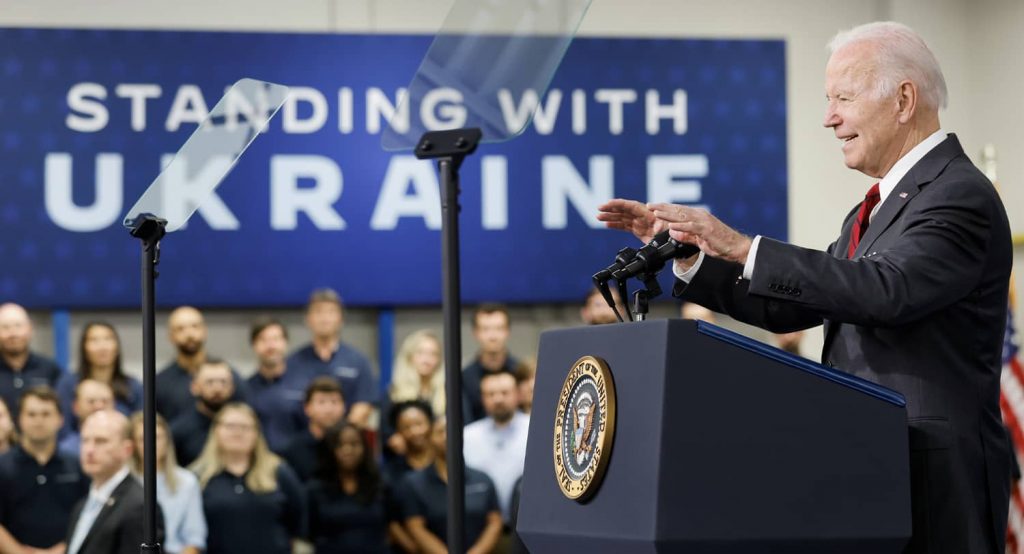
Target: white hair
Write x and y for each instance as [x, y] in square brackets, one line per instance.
[901, 55]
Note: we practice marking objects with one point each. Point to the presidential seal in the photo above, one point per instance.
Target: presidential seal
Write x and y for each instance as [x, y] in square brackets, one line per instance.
[584, 427]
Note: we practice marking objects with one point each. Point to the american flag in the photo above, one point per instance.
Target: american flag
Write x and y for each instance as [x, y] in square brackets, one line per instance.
[1011, 400]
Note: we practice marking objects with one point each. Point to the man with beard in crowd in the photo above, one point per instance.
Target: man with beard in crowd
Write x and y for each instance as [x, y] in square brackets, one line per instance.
[187, 330]
[496, 445]
[212, 388]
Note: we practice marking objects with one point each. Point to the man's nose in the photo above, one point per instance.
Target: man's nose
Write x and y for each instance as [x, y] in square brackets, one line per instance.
[832, 119]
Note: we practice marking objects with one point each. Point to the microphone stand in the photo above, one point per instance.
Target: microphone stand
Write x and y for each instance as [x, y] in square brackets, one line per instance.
[642, 297]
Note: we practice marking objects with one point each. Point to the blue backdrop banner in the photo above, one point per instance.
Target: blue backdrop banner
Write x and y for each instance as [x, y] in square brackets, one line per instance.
[90, 118]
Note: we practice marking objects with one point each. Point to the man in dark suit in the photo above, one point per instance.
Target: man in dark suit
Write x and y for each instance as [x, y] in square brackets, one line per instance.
[913, 294]
[109, 519]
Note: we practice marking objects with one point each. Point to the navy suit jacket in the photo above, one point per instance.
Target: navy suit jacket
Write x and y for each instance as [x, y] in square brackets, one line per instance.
[920, 308]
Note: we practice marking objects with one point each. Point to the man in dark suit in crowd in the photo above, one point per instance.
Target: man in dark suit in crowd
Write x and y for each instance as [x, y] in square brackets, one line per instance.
[913, 294]
[109, 519]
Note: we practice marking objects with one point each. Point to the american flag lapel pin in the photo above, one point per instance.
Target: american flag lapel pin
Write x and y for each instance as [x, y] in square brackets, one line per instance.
[903, 195]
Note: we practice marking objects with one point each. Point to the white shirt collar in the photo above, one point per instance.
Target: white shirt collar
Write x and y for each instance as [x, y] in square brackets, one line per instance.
[102, 493]
[903, 165]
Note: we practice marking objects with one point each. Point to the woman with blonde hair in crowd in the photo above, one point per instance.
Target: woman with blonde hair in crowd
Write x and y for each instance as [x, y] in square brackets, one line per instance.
[8, 435]
[418, 374]
[253, 501]
[177, 491]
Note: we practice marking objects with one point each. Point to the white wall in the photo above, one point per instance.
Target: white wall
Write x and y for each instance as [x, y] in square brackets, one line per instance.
[978, 42]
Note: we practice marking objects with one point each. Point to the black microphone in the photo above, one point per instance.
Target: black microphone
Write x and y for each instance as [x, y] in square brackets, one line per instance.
[622, 258]
[602, 277]
[653, 255]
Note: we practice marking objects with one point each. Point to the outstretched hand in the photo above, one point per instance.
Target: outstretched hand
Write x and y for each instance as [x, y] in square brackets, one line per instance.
[697, 226]
[632, 216]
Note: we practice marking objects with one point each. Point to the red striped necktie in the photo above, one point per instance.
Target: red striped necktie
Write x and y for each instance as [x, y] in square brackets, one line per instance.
[860, 225]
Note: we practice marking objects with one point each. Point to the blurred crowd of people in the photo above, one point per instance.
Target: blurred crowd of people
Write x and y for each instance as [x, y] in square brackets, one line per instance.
[304, 452]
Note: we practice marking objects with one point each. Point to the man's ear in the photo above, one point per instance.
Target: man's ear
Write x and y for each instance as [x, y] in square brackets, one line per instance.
[906, 97]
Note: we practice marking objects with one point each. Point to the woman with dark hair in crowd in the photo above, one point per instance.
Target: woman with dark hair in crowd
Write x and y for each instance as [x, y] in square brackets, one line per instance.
[177, 491]
[8, 435]
[99, 355]
[425, 506]
[351, 508]
[254, 502]
[411, 420]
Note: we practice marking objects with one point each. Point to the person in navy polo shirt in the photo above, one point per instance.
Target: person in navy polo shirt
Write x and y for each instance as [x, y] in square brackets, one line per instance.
[39, 485]
[254, 503]
[276, 391]
[325, 408]
[424, 500]
[187, 330]
[491, 330]
[20, 368]
[328, 355]
[212, 387]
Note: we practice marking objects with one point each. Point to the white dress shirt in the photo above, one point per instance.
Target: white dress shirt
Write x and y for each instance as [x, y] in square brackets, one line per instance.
[885, 187]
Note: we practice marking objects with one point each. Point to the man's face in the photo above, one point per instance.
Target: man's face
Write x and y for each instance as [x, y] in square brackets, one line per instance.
[500, 396]
[491, 331]
[213, 385]
[868, 126]
[597, 312]
[270, 346]
[39, 420]
[325, 409]
[188, 330]
[92, 396]
[15, 330]
[324, 319]
[105, 448]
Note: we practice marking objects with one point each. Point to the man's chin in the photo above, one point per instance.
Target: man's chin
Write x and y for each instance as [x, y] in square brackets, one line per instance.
[14, 351]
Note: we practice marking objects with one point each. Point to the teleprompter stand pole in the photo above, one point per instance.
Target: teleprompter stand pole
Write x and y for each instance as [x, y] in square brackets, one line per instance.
[450, 148]
[149, 229]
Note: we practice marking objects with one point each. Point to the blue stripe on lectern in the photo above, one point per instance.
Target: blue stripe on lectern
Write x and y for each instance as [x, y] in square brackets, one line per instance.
[843, 378]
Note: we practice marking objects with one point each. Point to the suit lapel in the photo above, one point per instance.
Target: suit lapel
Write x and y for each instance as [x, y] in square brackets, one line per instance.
[924, 172]
[108, 508]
